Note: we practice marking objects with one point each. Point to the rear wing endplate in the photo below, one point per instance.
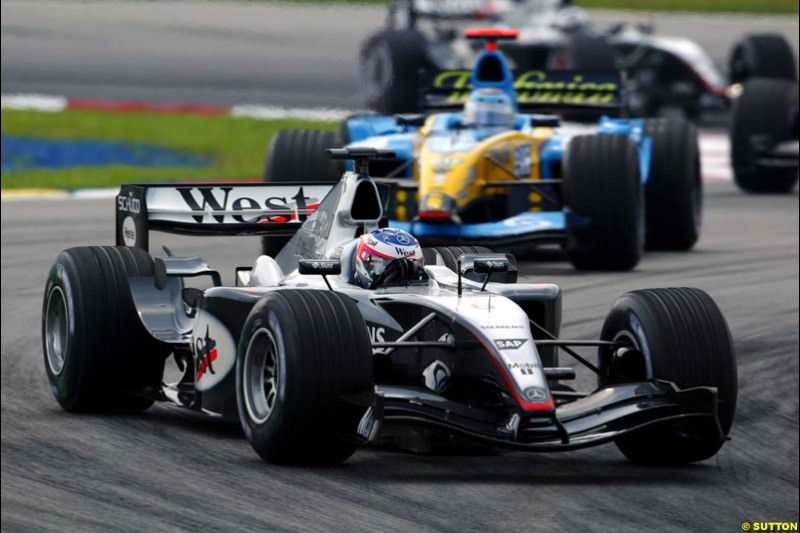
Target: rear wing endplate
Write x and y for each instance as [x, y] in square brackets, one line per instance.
[214, 209]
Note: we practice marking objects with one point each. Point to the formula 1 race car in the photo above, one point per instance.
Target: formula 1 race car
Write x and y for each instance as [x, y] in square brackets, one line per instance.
[519, 181]
[664, 75]
[764, 136]
[313, 365]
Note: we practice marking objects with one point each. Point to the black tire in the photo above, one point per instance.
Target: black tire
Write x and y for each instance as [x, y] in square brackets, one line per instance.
[298, 155]
[674, 188]
[324, 355]
[689, 343]
[602, 192]
[108, 361]
[767, 108]
[762, 55]
[389, 70]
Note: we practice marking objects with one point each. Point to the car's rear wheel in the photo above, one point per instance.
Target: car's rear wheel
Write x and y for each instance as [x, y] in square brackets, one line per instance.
[684, 339]
[298, 156]
[674, 190]
[303, 376]
[97, 353]
[389, 67]
[602, 192]
[765, 113]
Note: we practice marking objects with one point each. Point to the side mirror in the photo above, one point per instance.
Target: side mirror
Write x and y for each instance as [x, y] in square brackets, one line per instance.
[490, 265]
[319, 267]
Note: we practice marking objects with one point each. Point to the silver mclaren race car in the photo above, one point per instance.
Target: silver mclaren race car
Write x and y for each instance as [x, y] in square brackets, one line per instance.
[346, 340]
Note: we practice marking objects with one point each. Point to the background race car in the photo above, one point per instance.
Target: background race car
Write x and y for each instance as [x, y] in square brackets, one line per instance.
[664, 74]
[602, 192]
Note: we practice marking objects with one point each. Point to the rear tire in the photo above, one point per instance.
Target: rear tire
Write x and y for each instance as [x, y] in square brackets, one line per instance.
[689, 344]
[767, 108]
[602, 192]
[298, 156]
[674, 190]
[321, 355]
[389, 66]
[97, 353]
[762, 55]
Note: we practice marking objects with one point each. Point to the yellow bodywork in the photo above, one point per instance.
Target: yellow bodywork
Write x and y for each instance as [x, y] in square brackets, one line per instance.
[467, 176]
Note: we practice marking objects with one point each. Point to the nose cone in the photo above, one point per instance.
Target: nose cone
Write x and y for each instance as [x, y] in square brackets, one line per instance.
[437, 206]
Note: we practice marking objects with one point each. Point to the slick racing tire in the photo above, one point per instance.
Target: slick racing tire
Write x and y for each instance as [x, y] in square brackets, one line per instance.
[389, 70]
[602, 193]
[674, 190]
[766, 110]
[298, 156]
[762, 55]
[97, 353]
[303, 376]
[685, 340]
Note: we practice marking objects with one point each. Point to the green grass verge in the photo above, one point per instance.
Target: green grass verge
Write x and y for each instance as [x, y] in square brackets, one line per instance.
[235, 146]
[703, 6]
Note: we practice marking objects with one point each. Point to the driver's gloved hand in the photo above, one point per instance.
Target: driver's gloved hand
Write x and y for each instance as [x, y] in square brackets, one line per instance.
[399, 270]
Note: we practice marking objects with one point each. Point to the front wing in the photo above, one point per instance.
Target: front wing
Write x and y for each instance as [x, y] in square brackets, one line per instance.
[607, 414]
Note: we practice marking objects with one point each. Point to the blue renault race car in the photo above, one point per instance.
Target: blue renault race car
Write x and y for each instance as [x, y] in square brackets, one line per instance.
[479, 169]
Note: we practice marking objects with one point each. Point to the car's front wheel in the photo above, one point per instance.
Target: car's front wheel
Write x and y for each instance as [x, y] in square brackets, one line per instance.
[684, 339]
[303, 376]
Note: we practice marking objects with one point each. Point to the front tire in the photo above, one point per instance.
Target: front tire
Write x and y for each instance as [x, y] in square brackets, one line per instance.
[304, 360]
[685, 340]
[602, 192]
[97, 353]
[674, 190]
[766, 109]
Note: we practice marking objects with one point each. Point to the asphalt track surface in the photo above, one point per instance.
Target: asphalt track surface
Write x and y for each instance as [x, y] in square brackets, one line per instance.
[172, 470]
[233, 53]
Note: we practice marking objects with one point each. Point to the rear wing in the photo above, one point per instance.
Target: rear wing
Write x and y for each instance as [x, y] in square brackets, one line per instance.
[214, 209]
[535, 90]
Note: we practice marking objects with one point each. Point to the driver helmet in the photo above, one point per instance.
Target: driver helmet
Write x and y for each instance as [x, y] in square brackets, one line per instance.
[489, 108]
[376, 249]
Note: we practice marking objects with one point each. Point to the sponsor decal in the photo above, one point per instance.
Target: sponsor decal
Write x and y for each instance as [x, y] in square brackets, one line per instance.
[213, 349]
[205, 353]
[129, 231]
[535, 394]
[526, 369]
[503, 326]
[377, 334]
[129, 204]
[509, 344]
[535, 87]
[218, 202]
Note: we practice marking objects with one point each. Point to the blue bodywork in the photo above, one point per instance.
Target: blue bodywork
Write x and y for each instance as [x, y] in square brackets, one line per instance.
[386, 133]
